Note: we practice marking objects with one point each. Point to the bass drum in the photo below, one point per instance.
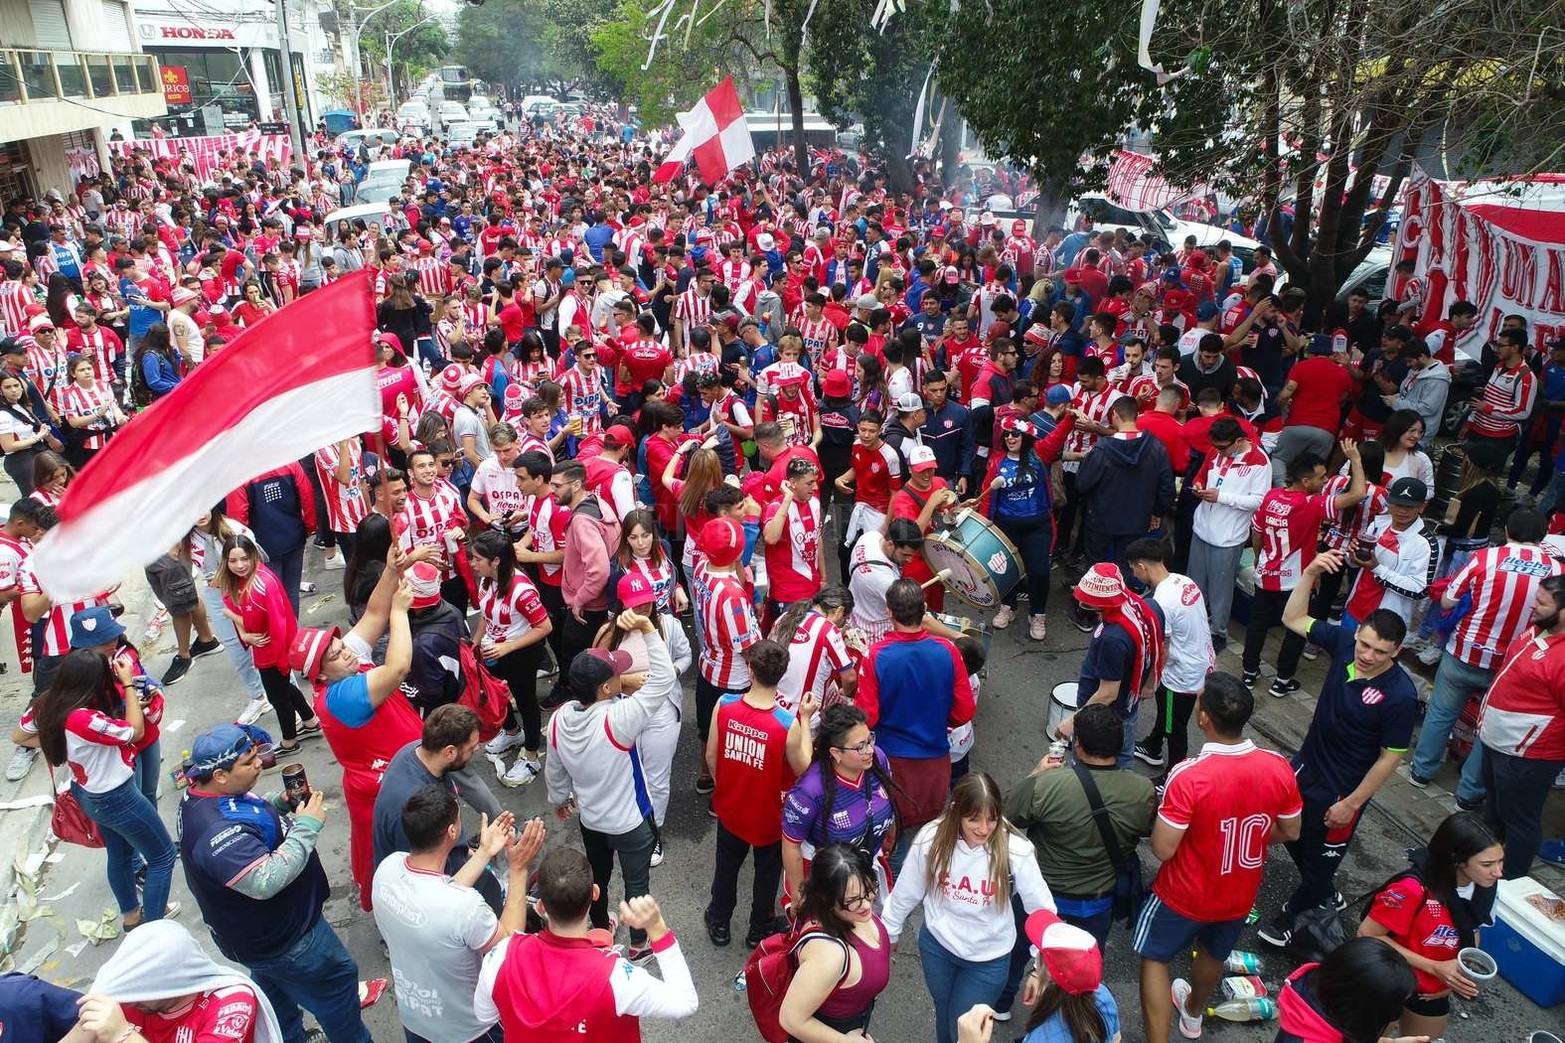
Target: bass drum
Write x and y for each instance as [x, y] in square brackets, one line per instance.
[981, 562]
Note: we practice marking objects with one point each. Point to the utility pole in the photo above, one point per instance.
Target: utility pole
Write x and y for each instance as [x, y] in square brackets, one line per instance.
[290, 99]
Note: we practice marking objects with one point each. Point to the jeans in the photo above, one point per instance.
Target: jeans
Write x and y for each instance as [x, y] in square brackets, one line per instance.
[1034, 538]
[315, 973]
[731, 853]
[1127, 749]
[1318, 854]
[131, 827]
[1554, 495]
[1214, 570]
[1266, 612]
[1455, 683]
[149, 765]
[956, 984]
[1515, 789]
[223, 630]
[635, 862]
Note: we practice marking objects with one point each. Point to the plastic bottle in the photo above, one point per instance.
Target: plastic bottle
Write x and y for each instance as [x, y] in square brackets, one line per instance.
[1241, 962]
[1245, 987]
[1255, 1008]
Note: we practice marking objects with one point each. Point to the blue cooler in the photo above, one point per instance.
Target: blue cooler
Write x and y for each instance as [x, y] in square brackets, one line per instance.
[1526, 943]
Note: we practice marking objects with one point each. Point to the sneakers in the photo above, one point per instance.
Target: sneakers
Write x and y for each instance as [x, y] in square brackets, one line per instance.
[176, 670]
[503, 742]
[307, 587]
[1002, 618]
[1189, 1027]
[1249, 678]
[1002, 1016]
[1463, 804]
[705, 784]
[522, 773]
[1338, 902]
[254, 710]
[1416, 780]
[711, 809]
[1146, 756]
[334, 563]
[1553, 852]
[310, 731]
[1083, 621]
[718, 932]
[1281, 688]
[170, 912]
[1311, 652]
[756, 935]
[20, 764]
[201, 649]
[657, 854]
[1037, 627]
[1429, 655]
[1276, 933]
[640, 955]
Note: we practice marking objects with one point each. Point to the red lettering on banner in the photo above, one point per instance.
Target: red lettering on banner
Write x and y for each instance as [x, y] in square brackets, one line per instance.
[191, 32]
[1519, 277]
[1554, 287]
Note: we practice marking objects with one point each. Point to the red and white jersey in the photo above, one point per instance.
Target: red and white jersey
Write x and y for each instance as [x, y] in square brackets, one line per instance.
[510, 614]
[433, 280]
[345, 502]
[477, 314]
[449, 332]
[1095, 405]
[56, 630]
[734, 273]
[633, 246]
[496, 487]
[728, 621]
[877, 473]
[1288, 523]
[816, 655]
[12, 553]
[1506, 403]
[77, 401]
[818, 335]
[803, 412]
[1522, 715]
[698, 363]
[428, 522]
[547, 521]
[99, 750]
[692, 308]
[1503, 582]
[1020, 252]
[530, 373]
[46, 369]
[793, 562]
[584, 396]
[1343, 526]
[222, 1015]
[102, 345]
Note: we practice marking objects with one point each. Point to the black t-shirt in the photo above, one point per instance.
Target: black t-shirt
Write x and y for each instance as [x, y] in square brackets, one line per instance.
[1370, 403]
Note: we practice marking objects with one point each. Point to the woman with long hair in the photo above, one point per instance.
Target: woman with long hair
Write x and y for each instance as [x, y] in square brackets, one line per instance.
[100, 294]
[256, 603]
[660, 737]
[1400, 437]
[515, 626]
[843, 797]
[869, 377]
[1066, 998]
[703, 473]
[1017, 497]
[51, 475]
[1434, 910]
[818, 657]
[89, 409]
[157, 363]
[532, 360]
[969, 929]
[1354, 995]
[409, 317]
[24, 436]
[843, 953]
[96, 630]
[203, 550]
[60, 300]
[78, 729]
[254, 306]
[642, 552]
[371, 543]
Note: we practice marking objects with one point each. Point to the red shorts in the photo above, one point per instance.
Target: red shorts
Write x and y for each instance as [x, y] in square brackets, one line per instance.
[1361, 428]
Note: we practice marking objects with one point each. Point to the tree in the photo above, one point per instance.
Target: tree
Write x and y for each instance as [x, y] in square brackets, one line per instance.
[359, 96]
[669, 84]
[533, 43]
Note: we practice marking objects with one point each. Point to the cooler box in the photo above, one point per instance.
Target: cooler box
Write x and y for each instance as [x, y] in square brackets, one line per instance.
[1528, 946]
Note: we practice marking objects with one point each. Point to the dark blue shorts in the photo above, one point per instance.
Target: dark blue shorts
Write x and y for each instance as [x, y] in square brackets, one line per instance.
[1162, 934]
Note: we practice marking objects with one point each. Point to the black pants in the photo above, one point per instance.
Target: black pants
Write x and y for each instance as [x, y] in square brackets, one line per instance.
[731, 853]
[1172, 724]
[1034, 538]
[577, 638]
[707, 695]
[1266, 612]
[635, 862]
[553, 603]
[286, 699]
[519, 670]
[1318, 854]
[1071, 537]
[1514, 791]
[1327, 587]
[290, 569]
[19, 465]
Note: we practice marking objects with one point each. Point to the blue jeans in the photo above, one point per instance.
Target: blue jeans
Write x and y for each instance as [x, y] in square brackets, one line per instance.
[956, 984]
[1127, 752]
[131, 827]
[315, 973]
[149, 764]
[1455, 684]
[223, 630]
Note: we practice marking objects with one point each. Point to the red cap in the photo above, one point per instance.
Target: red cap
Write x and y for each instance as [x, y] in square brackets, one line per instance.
[1072, 274]
[309, 648]
[620, 435]
[998, 329]
[424, 579]
[634, 590]
[425, 246]
[1068, 953]
[722, 541]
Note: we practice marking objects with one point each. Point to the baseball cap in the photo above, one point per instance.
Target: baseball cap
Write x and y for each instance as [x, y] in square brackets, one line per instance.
[309, 648]
[40, 322]
[468, 383]
[425, 246]
[424, 579]
[765, 243]
[94, 626]
[634, 591]
[1101, 586]
[722, 541]
[986, 218]
[1072, 274]
[1068, 953]
[620, 435]
[594, 666]
[1206, 311]
[867, 302]
[837, 384]
[921, 458]
[1407, 492]
[999, 328]
[909, 402]
[731, 321]
[951, 275]
[217, 749]
[1320, 344]
[1058, 395]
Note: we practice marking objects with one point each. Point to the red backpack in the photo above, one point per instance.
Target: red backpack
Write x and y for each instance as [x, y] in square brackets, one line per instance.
[482, 692]
[768, 973]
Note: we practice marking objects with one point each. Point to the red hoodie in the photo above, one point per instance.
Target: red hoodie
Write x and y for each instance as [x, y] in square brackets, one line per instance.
[1300, 1020]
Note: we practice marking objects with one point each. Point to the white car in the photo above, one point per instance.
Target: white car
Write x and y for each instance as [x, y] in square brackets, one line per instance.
[1160, 224]
[370, 213]
[452, 112]
[373, 140]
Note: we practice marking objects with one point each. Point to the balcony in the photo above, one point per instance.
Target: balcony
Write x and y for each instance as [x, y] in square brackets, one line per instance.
[55, 92]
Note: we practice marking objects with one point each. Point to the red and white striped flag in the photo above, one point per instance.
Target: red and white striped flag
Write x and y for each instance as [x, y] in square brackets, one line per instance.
[302, 378]
[715, 136]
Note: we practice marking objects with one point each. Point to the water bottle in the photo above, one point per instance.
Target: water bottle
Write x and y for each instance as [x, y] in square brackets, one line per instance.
[1255, 1008]
[1339, 342]
[1240, 962]
[740, 985]
[1241, 988]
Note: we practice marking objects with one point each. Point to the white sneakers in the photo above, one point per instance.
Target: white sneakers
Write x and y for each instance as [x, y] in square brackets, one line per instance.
[1002, 618]
[1037, 627]
[20, 764]
[521, 773]
[254, 711]
[503, 742]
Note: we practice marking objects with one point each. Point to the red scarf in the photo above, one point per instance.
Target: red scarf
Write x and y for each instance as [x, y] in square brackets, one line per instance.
[1139, 621]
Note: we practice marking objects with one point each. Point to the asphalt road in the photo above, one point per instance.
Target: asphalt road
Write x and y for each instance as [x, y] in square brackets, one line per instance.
[1010, 727]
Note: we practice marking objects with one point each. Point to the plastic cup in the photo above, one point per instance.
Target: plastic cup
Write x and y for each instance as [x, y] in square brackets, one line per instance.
[1477, 964]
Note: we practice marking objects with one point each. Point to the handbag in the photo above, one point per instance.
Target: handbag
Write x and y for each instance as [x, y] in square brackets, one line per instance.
[69, 821]
[1129, 889]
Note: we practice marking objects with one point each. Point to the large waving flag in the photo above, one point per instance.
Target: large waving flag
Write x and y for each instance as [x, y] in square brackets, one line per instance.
[300, 379]
[715, 136]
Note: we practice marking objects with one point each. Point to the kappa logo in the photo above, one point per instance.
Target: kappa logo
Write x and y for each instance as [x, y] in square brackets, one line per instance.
[1372, 696]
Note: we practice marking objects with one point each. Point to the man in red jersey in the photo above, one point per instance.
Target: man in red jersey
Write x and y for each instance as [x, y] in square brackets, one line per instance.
[1220, 812]
[791, 529]
[727, 623]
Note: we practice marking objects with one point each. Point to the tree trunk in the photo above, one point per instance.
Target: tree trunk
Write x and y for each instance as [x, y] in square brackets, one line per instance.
[801, 152]
[950, 142]
[1052, 199]
[899, 171]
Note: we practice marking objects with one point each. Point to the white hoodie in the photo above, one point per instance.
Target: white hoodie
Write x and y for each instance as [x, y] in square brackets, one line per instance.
[962, 913]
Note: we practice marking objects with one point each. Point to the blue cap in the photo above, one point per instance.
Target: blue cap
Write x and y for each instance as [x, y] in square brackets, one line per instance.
[1057, 395]
[568, 277]
[1320, 344]
[91, 627]
[1206, 311]
[698, 257]
[218, 748]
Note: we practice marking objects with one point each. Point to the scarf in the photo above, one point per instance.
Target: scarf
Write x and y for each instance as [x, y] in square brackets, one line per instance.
[161, 960]
[1136, 616]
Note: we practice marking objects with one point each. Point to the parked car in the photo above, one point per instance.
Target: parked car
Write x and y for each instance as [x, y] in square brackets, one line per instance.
[373, 140]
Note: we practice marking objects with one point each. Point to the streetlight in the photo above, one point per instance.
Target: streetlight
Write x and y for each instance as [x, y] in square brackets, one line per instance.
[356, 27]
[391, 41]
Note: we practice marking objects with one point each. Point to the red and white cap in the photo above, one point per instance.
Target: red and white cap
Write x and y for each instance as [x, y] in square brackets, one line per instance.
[1018, 227]
[451, 378]
[468, 383]
[309, 648]
[634, 590]
[1069, 954]
[424, 580]
[785, 373]
[1101, 586]
[40, 322]
[921, 458]
[722, 541]
[184, 295]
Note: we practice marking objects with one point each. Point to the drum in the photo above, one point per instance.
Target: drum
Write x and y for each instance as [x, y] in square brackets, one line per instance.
[1062, 703]
[969, 627]
[984, 564]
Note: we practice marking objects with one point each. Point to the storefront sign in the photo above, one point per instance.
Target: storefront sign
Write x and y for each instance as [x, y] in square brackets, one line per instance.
[176, 85]
[193, 32]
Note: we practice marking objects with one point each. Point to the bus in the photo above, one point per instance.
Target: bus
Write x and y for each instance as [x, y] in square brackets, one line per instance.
[454, 82]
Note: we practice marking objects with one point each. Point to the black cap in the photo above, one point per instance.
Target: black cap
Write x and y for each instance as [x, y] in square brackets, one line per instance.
[593, 667]
[1398, 332]
[1407, 492]
[12, 346]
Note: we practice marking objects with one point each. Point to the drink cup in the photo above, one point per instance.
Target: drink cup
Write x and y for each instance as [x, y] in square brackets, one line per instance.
[1477, 964]
[296, 785]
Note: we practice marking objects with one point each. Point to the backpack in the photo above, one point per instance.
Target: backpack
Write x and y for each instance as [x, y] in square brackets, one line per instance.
[769, 971]
[482, 692]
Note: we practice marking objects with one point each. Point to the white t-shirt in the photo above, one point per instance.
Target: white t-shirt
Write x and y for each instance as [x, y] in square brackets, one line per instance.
[437, 932]
[1189, 657]
[496, 488]
[195, 344]
[871, 574]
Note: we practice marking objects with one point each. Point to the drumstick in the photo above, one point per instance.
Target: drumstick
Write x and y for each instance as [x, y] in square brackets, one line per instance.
[939, 577]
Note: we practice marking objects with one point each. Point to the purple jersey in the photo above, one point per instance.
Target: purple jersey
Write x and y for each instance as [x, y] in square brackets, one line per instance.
[804, 812]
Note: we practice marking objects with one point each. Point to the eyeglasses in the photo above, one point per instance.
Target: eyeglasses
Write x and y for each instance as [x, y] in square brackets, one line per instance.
[864, 900]
[863, 749]
[1222, 447]
[445, 464]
